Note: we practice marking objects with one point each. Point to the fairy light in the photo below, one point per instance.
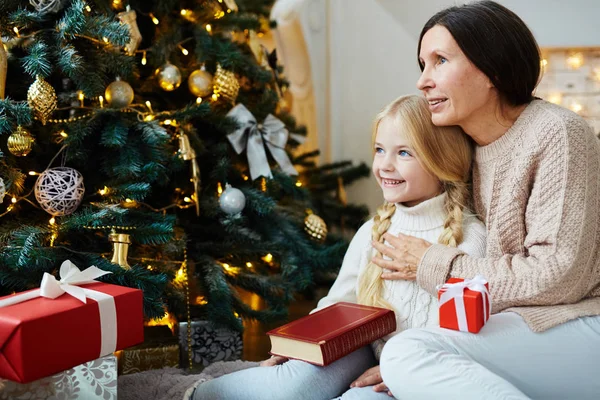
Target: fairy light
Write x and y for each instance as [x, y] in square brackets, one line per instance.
[13, 200]
[208, 28]
[88, 8]
[105, 39]
[154, 19]
[150, 267]
[33, 173]
[101, 101]
[215, 97]
[555, 98]
[167, 122]
[183, 50]
[298, 184]
[198, 100]
[63, 134]
[81, 97]
[144, 61]
[116, 3]
[268, 258]
[228, 10]
[246, 177]
[103, 191]
[187, 199]
[16, 30]
[575, 61]
[575, 107]
[249, 265]
[201, 300]
[52, 221]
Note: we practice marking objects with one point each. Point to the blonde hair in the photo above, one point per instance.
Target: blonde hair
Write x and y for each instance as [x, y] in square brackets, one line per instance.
[446, 153]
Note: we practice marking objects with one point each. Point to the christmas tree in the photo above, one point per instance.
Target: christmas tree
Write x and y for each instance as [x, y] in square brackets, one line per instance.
[151, 139]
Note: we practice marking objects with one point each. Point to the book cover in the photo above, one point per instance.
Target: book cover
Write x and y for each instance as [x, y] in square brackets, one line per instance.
[331, 333]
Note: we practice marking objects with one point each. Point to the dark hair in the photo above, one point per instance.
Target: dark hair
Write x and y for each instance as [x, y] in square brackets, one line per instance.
[497, 42]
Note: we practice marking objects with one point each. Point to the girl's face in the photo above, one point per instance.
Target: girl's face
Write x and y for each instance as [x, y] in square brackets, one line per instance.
[457, 91]
[397, 169]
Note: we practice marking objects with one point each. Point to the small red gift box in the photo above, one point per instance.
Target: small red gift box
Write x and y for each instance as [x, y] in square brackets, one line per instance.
[464, 304]
[41, 336]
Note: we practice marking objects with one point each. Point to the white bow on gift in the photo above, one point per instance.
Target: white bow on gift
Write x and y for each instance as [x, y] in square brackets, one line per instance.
[456, 291]
[70, 279]
[252, 137]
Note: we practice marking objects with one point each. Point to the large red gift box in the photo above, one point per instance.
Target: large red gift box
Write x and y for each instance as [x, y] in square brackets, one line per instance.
[464, 304]
[41, 337]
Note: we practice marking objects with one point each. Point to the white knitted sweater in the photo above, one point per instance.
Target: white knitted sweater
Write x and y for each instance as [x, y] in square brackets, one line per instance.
[414, 306]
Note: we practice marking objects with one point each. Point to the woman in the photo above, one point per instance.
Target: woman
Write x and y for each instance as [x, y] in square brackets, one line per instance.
[536, 186]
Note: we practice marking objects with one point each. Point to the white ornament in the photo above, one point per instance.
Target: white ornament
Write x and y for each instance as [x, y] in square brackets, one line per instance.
[47, 6]
[59, 190]
[2, 190]
[232, 200]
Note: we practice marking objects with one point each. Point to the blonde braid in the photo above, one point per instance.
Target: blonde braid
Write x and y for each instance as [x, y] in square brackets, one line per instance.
[370, 283]
[456, 201]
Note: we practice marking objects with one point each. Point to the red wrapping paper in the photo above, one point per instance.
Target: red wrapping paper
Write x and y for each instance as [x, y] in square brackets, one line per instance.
[41, 337]
[474, 309]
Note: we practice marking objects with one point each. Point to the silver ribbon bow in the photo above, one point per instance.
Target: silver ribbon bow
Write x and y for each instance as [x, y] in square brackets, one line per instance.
[252, 137]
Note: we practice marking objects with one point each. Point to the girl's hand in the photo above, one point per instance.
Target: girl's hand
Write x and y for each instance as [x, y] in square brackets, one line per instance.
[274, 360]
[405, 253]
[371, 377]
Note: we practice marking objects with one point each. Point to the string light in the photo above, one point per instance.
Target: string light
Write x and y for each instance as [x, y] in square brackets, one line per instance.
[16, 30]
[81, 97]
[144, 58]
[208, 28]
[149, 105]
[215, 97]
[298, 184]
[13, 200]
[555, 98]
[63, 134]
[88, 8]
[33, 173]
[575, 61]
[103, 191]
[246, 177]
[268, 258]
[101, 101]
[184, 50]
[219, 188]
[154, 19]
[117, 3]
[201, 300]
[249, 265]
[52, 221]
[187, 199]
[198, 100]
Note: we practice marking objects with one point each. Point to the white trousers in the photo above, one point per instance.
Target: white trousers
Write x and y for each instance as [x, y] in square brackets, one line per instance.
[505, 360]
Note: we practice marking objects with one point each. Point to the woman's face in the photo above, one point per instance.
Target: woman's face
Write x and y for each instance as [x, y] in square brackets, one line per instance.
[458, 92]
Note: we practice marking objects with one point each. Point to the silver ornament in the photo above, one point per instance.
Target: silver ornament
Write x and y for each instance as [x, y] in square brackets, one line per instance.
[169, 77]
[232, 200]
[119, 94]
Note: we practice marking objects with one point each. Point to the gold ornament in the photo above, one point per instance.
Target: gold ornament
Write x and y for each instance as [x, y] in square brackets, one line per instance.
[3, 68]
[200, 82]
[226, 84]
[187, 153]
[257, 49]
[129, 18]
[121, 242]
[20, 142]
[42, 99]
[169, 77]
[119, 94]
[315, 227]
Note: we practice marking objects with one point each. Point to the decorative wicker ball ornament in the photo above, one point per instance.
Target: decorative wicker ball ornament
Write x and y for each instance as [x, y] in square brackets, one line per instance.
[119, 94]
[47, 6]
[232, 200]
[59, 191]
[226, 84]
[169, 77]
[315, 227]
[42, 99]
[2, 190]
[20, 142]
[200, 83]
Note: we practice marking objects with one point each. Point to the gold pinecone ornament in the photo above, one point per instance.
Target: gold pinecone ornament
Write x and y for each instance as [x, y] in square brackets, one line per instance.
[20, 142]
[42, 99]
[226, 84]
[315, 227]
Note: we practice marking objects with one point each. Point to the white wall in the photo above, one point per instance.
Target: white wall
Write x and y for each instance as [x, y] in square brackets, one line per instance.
[372, 60]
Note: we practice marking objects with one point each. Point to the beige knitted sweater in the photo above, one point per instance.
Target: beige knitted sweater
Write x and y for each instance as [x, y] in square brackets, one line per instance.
[537, 188]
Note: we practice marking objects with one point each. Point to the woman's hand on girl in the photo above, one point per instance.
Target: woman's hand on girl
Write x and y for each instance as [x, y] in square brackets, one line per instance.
[405, 253]
[371, 377]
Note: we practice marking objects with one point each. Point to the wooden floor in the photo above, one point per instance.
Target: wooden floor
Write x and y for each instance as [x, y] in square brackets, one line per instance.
[256, 342]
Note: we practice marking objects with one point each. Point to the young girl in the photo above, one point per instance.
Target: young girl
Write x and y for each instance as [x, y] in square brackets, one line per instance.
[424, 173]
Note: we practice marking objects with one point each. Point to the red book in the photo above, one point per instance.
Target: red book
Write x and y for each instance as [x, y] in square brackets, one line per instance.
[331, 333]
[41, 337]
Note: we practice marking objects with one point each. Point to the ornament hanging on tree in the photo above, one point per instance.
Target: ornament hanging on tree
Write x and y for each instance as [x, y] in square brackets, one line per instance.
[169, 77]
[20, 142]
[3, 68]
[226, 84]
[232, 200]
[59, 191]
[47, 6]
[257, 49]
[2, 190]
[121, 242]
[119, 94]
[315, 227]
[42, 99]
[200, 82]
[188, 154]
[129, 18]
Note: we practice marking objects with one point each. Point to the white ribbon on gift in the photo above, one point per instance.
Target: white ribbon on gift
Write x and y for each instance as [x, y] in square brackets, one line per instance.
[456, 291]
[70, 279]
